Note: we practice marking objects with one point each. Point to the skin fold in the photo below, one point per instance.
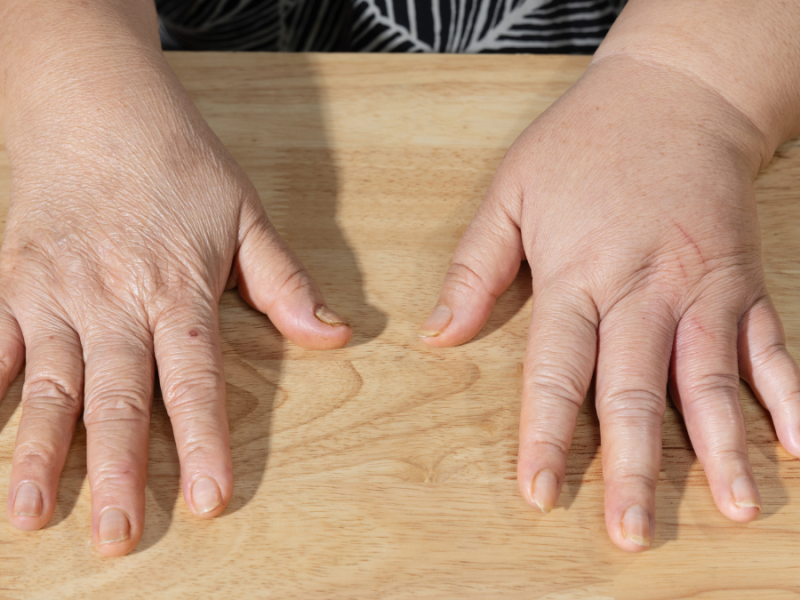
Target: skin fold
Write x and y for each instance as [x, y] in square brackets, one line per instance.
[632, 200]
[128, 220]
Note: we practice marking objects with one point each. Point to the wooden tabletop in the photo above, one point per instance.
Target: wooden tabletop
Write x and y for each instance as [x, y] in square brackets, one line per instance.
[387, 469]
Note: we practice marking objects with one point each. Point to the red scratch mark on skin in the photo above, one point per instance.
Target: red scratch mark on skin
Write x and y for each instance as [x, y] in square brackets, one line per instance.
[694, 327]
[192, 333]
[683, 269]
[692, 242]
[698, 326]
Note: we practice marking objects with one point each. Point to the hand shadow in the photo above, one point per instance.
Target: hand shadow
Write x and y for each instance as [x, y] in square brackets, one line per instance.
[74, 471]
[289, 159]
[509, 303]
[291, 163]
[583, 451]
[11, 400]
[163, 475]
[295, 172]
[679, 459]
[251, 392]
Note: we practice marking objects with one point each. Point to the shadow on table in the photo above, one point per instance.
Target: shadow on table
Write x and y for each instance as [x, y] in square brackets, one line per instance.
[10, 402]
[583, 451]
[74, 471]
[679, 460]
[289, 158]
[509, 303]
[163, 475]
[72, 477]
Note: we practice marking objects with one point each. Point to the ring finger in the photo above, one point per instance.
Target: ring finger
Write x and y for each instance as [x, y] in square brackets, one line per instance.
[706, 382]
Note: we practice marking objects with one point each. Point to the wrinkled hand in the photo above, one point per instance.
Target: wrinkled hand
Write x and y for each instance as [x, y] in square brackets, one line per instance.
[632, 200]
[128, 219]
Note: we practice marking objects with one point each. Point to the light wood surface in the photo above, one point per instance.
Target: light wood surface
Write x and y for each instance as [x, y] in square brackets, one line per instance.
[387, 469]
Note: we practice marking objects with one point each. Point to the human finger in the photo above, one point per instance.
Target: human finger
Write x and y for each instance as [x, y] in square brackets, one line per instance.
[189, 358]
[118, 402]
[766, 364]
[707, 385]
[52, 400]
[632, 374]
[484, 264]
[272, 279]
[559, 362]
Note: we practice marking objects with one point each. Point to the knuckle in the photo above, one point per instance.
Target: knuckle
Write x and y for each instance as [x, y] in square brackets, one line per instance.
[34, 454]
[463, 279]
[632, 404]
[724, 453]
[8, 360]
[190, 394]
[117, 474]
[768, 354]
[50, 394]
[790, 398]
[547, 383]
[636, 477]
[198, 449]
[116, 406]
[713, 385]
[294, 280]
[542, 441]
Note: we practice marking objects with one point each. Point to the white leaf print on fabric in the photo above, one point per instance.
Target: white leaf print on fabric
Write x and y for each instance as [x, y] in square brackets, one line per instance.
[481, 26]
[387, 25]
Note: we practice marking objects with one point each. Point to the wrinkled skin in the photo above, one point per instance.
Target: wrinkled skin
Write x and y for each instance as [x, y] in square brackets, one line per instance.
[128, 219]
[632, 200]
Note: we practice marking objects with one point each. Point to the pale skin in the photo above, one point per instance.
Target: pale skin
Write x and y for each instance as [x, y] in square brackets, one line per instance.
[128, 219]
[631, 198]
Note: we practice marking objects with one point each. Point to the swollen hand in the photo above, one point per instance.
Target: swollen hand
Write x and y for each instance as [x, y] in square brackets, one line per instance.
[632, 200]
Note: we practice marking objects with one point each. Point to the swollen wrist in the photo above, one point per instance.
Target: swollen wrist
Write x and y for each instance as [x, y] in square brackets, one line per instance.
[746, 53]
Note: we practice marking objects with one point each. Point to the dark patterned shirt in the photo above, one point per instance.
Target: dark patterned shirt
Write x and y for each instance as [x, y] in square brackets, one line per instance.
[539, 26]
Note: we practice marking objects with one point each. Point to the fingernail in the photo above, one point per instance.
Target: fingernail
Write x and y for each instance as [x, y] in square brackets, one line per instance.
[543, 490]
[114, 526]
[636, 526]
[329, 317]
[205, 495]
[28, 501]
[745, 494]
[436, 323]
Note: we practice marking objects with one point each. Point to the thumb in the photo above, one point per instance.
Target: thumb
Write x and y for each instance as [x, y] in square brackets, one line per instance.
[272, 280]
[484, 264]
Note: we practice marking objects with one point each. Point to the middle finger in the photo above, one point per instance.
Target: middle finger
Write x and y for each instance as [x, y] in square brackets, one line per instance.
[635, 343]
[118, 402]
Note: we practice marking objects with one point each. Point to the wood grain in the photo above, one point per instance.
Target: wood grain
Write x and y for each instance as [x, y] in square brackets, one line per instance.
[386, 470]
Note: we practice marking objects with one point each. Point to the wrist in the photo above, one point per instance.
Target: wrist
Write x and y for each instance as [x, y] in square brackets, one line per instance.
[654, 106]
[53, 48]
[745, 53]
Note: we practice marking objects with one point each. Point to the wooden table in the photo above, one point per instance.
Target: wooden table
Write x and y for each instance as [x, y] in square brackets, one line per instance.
[387, 469]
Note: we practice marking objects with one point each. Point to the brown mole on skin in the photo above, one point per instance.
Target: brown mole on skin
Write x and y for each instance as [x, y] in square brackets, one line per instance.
[192, 333]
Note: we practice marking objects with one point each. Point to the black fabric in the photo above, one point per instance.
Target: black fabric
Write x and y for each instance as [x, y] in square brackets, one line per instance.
[534, 26]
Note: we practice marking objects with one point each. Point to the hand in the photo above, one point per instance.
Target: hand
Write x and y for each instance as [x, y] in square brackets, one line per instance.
[632, 200]
[128, 219]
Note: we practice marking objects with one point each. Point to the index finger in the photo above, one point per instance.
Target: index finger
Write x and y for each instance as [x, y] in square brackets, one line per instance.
[559, 363]
[189, 357]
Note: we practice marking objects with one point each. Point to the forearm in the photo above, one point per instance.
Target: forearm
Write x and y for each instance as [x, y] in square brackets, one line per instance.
[63, 45]
[747, 52]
